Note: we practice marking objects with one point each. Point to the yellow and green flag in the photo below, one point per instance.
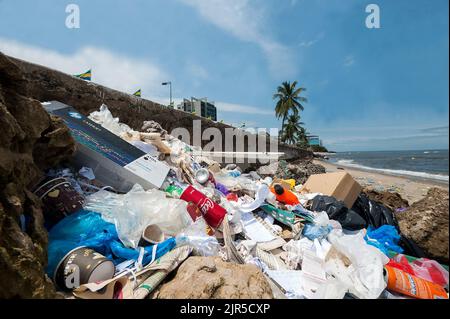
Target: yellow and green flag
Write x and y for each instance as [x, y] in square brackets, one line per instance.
[137, 93]
[85, 76]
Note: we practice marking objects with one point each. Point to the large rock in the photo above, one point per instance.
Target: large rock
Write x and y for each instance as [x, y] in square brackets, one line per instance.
[299, 170]
[210, 277]
[31, 141]
[426, 222]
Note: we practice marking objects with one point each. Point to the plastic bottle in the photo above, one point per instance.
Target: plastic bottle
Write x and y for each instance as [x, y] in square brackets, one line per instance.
[284, 196]
[407, 284]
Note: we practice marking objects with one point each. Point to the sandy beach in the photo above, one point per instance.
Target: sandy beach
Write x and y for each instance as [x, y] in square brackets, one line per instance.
[410, 189]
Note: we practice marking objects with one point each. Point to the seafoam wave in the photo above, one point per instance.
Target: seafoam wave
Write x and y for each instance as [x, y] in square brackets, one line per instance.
[351, 163]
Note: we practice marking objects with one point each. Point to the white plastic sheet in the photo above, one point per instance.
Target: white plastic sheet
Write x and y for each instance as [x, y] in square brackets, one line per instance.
[132, 212]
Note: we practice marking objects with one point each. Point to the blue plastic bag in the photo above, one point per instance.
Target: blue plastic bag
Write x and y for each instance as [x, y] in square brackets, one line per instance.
[88, 229]
[312, 231]
[385, 238]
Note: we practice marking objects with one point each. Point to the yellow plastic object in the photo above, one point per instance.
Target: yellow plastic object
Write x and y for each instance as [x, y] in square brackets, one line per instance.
[291, 182]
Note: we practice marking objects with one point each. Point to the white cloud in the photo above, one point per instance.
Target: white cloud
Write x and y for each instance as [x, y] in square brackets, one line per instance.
[349, 61]
[118, 72]
[223, 107]
[108, 68]
[246, 22]
[310, 43]
[197, 71]
[245, 109]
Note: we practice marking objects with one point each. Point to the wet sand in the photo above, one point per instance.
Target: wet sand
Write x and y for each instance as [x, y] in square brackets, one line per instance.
[410, 189]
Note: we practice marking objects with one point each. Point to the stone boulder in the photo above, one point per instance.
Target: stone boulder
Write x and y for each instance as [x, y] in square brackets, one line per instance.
[426, 222]
[211, 277]
[299, 170]
[31, 141]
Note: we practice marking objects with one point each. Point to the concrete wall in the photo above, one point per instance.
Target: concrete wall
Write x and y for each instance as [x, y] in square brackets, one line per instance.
[46, 85]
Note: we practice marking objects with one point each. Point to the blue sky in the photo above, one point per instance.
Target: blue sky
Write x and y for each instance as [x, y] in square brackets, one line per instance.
[368, 89]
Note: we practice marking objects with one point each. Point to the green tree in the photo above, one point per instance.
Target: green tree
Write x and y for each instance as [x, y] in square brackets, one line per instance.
[292, 129]
[288, 100]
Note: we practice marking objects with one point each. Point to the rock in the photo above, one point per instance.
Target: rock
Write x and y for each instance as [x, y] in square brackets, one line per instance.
[426, 222]
[210, 277]
[31, 141]
[391, 200]
[268, 170]
[299, 170]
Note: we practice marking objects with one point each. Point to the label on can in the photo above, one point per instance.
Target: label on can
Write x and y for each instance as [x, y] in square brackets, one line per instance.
[212, 212]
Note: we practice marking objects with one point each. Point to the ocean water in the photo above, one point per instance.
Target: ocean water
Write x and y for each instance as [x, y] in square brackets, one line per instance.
[426, 164]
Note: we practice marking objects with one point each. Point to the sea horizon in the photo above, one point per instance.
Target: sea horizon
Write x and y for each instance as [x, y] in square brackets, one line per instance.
[428, 164]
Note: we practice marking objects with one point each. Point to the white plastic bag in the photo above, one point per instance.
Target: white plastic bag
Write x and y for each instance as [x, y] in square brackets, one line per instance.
[365, 274]
[137, 209]
[105, 119]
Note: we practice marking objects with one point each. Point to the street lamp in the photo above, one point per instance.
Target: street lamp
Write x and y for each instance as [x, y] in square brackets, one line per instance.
[170, 86]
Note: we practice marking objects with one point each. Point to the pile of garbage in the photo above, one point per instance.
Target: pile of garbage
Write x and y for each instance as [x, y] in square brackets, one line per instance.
[134, 206]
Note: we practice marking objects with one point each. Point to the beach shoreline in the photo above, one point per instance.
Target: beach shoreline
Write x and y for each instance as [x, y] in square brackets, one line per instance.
[412, 189]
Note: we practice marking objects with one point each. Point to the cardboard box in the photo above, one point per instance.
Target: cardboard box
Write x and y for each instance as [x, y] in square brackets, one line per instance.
[340, 185]
[115, 162]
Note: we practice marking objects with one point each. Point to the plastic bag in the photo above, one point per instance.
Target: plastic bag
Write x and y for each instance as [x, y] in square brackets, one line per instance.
[373, 213]
[338, 211]
[195, 236]
[89, 229]
[365, 274]
[385, 238]
[312, 231]
[105, 119]
[134, 211]
[427, 269]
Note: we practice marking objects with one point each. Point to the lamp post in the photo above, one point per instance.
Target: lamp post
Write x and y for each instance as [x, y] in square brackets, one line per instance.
[170, 87]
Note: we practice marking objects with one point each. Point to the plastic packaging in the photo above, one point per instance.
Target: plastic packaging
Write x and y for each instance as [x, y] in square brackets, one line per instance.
[196, 237]
[373, 213]
[366, 270]
[426, 269]
[338, 211]
[105, 119]
[404, 283]
[260, 196]
[134, 211]
[384, 238]
[89, 229]
[312, 231]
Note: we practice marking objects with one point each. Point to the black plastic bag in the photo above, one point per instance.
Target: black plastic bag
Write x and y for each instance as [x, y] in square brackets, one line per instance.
[375, 214]
[338, 211]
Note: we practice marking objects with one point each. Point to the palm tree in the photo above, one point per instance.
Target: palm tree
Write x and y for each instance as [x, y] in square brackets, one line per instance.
[293, 130]
[288, 100]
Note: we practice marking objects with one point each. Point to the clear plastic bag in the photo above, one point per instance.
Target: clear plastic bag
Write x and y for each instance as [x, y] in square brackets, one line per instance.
[105, 119]
[137, 209]
[196, 237]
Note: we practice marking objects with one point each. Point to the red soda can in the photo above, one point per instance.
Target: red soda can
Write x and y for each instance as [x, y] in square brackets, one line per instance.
[212, 212]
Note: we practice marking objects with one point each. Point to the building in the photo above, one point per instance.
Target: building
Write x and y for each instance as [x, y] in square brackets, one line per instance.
[201, 107]
[314, 140]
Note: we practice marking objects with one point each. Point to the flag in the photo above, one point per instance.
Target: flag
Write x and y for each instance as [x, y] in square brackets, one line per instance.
[85, 76]
[137, 93]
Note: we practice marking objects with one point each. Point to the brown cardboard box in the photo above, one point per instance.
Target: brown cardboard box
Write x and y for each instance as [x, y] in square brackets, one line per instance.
[340, 185]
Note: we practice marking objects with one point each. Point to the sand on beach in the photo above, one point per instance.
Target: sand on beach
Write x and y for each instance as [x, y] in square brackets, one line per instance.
[412, 190]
